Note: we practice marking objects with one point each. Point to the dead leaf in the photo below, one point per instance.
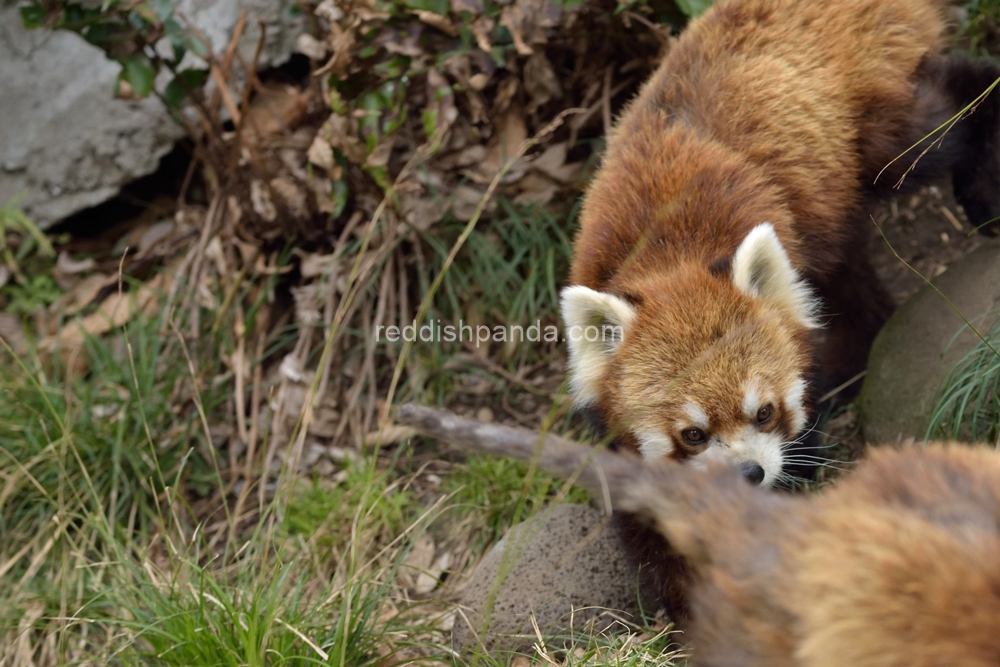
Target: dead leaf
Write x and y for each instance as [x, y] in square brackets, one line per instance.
[420, 212]
[379, 157]
[274, 112]
[312, 265]
[540, 81]
[482, 28]
[464, 201]
[67, 266]
[441, 104]
[293, 197]
[418, 560]
[471, 6]
[260, 199]
[511, 132]
[467, 157]
[527, 21]
[329, 10]
[321, 153]
[405, 43]
[435, 20]
[552, 163]
[311, 47]
[479, 81]
[308, 304]
[366, 11]
[505, 94]
[81, 295]
[326, 421]
[342, 41]
[391, 435]
[536, 189]
[341, 133]
[155, 233]
[291, 368]
[113, 312]
[427, 580]
[12, 332]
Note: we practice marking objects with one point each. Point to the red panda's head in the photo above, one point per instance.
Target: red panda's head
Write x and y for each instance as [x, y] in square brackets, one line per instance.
[699, 364]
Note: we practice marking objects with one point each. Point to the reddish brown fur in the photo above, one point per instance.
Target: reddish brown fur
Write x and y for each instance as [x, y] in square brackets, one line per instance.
[753, 117]
[782, 111]
[898, 565]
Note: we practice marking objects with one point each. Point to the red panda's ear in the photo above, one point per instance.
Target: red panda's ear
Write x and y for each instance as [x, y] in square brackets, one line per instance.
[761, 269]
[596, 324]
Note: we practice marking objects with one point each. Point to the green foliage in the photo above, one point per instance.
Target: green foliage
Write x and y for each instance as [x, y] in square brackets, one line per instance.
[981, 26]
[38, 291]
[692, 8]
[127, 31]
[489, 490]
[329, 509]
[112, 440]
[970, 400]
[510, 273]
[269, 613]
[25, 254]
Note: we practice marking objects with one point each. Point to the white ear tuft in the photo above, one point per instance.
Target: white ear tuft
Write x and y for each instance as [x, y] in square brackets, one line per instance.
[761, 269]
[596, 323]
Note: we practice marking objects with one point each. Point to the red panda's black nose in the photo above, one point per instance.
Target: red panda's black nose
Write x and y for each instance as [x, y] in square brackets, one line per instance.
[753, 472]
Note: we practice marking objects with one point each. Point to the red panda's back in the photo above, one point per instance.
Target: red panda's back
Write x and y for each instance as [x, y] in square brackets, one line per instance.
[784, 97]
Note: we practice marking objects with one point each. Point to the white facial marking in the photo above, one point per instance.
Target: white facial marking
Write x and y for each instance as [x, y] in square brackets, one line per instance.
[654, 445]
[697, 416]
[747, 446]
[752, 401]
[794, 403]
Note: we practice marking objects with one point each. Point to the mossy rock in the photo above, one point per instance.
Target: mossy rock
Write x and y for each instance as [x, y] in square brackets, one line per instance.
[920, 344]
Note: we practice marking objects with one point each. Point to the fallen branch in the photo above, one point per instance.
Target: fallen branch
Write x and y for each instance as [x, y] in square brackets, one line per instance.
[624, 481]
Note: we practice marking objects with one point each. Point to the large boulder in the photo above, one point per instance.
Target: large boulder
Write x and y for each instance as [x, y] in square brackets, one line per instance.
[921, 343]
[565, 563]
[65, 142]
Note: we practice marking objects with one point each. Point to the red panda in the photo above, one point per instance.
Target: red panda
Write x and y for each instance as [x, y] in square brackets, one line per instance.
[896, 566]
[721, 241]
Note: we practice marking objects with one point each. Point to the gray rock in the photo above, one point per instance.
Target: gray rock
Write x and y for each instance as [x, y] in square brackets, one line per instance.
[65, 142]
[564, 562]
[918, 347]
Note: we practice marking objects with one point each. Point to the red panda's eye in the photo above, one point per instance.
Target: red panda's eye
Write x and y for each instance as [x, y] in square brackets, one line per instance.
[694, 436]
[764, 414]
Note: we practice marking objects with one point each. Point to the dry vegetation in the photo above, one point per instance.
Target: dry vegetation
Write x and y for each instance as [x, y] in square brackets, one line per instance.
[196, 464]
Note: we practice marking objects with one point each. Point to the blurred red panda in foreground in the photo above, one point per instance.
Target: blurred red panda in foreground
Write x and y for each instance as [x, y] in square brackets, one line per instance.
[721, 245]
[898, 565]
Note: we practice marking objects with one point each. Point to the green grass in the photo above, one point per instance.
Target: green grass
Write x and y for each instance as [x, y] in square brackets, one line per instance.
[116, 549]
[980, 30]
[107, 557]
[509, 271]
[969, 405]
[490, 493]
[118, 429]
[323, 510]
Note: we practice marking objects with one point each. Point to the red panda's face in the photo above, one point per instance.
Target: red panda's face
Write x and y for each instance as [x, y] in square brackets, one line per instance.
[701, 367]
